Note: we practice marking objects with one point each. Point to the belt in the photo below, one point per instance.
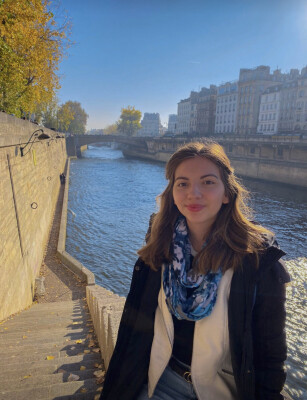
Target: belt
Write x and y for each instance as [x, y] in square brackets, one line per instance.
[181, 369]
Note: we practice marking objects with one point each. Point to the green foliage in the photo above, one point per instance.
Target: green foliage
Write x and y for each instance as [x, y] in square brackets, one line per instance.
[31, 47]
[129, 121]
[110, 130]
[74, 118]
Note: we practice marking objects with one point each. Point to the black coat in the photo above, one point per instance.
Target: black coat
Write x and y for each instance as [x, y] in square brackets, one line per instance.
[256, 315]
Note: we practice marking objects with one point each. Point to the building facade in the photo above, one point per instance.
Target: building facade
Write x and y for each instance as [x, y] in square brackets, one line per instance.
[252, 83]
[269, 112]
[183, 117]
[301, 103]
[205, 110]
[151, 125]
[226, 108]
[172, 123]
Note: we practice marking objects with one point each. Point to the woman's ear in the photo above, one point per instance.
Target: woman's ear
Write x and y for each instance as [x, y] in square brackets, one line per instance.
[225, 199]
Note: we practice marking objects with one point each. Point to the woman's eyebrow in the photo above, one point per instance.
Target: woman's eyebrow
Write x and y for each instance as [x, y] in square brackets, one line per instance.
[203, 176]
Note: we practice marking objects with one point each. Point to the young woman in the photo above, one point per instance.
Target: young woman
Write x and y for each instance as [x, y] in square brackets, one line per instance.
[205, 317]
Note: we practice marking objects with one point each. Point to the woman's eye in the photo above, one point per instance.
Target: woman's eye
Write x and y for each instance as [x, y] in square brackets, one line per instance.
[182, 184]
[208, 182]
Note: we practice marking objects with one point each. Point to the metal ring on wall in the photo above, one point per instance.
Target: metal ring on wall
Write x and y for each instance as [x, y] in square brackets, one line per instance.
[49, 178]
[34, 205]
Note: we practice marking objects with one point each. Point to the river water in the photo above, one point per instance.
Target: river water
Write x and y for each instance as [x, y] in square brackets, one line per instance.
[111, 199]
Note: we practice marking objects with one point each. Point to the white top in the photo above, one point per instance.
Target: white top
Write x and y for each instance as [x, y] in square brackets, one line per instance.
[211, 354]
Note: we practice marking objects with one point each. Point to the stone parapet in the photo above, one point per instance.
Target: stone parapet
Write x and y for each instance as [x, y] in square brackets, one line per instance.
[106, 310]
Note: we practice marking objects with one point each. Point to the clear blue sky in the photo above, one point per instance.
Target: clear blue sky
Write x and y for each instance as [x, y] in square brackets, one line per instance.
[152, 53]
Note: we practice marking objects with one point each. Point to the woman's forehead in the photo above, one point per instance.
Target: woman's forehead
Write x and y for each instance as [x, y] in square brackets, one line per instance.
[197, 166]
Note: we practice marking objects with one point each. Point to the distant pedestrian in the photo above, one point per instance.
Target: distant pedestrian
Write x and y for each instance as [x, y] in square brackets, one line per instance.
[205, 315]
[63, 178]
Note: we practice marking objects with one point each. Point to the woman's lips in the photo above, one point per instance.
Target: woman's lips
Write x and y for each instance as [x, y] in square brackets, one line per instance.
[194, 207]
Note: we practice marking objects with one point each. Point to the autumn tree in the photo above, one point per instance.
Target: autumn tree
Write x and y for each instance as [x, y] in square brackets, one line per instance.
[110, 130]
[31, 48]
[129, 121]
[78, 117]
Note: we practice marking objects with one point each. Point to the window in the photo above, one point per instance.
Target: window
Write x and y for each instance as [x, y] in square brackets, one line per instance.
[252, 150]
[280, 152]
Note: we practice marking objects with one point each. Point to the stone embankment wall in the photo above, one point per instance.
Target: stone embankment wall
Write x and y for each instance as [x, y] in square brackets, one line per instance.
[29, 187]
[274, 158]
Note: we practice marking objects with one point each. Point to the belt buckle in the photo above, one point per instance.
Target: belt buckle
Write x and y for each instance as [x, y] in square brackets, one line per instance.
[187, 376]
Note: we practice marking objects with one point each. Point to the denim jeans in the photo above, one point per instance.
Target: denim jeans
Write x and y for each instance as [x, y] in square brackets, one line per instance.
[171, 386]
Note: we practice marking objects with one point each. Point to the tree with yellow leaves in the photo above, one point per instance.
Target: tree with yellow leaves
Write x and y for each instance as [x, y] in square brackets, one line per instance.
[129, 121]
[31, 48]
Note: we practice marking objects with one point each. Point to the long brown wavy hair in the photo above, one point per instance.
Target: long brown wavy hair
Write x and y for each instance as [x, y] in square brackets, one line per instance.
[232, 236]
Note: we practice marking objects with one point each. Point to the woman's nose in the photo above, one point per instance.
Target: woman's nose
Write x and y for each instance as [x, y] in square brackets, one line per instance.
[195, 191]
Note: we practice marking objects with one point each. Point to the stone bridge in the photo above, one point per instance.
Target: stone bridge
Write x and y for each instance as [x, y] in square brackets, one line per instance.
[74, 144]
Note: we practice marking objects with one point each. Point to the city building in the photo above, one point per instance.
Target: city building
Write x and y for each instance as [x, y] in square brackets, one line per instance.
[151, 125]
[301, 103]
[252, 83]
[283, 107]
[172, 123]
[205, 111]
[269, 113]
[226, 108]
[183, 117]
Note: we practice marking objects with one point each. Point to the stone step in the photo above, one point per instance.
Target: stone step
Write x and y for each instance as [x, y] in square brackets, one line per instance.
[51, 342]
[53, 391]
[43, 346]
[56, 332]
[25, 316]
[26, 381]
[53, 339]
[45, 367]
[42, 355]
[44, 325]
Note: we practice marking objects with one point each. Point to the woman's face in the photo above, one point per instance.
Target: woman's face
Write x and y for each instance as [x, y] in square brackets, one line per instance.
[199, 192]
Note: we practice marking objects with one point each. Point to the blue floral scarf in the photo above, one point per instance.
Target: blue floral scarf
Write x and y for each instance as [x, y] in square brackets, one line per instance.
[189, 295]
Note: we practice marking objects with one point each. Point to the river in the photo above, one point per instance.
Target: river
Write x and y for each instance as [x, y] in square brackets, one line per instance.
[111, 199]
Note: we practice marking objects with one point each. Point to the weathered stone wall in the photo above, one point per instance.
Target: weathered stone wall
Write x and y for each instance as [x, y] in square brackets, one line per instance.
[29, 188]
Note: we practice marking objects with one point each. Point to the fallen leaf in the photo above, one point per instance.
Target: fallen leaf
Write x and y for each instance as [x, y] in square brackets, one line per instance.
[24, 337]
[97, 365]
[99, 373]
[72, 347]
[96, 350]
[61, 371]
[6, 328]
[27, 376]
[91, 330]
[49, 357]
[76, 323]
[78, 341]
[82, 368]
[87, 351]
[100, 380]
[83, 390]
[91, 343]
[73, 378]
[99, 389]
[97, 396]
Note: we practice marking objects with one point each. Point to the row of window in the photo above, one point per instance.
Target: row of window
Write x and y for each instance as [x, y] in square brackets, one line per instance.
[231, 107]
[267, 127]
[226, 99]
[220, 119]
[272, 106]
[225, 129]
[265, 117]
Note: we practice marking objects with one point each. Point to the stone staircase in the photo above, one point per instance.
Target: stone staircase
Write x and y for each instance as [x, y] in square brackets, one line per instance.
[50, 352]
